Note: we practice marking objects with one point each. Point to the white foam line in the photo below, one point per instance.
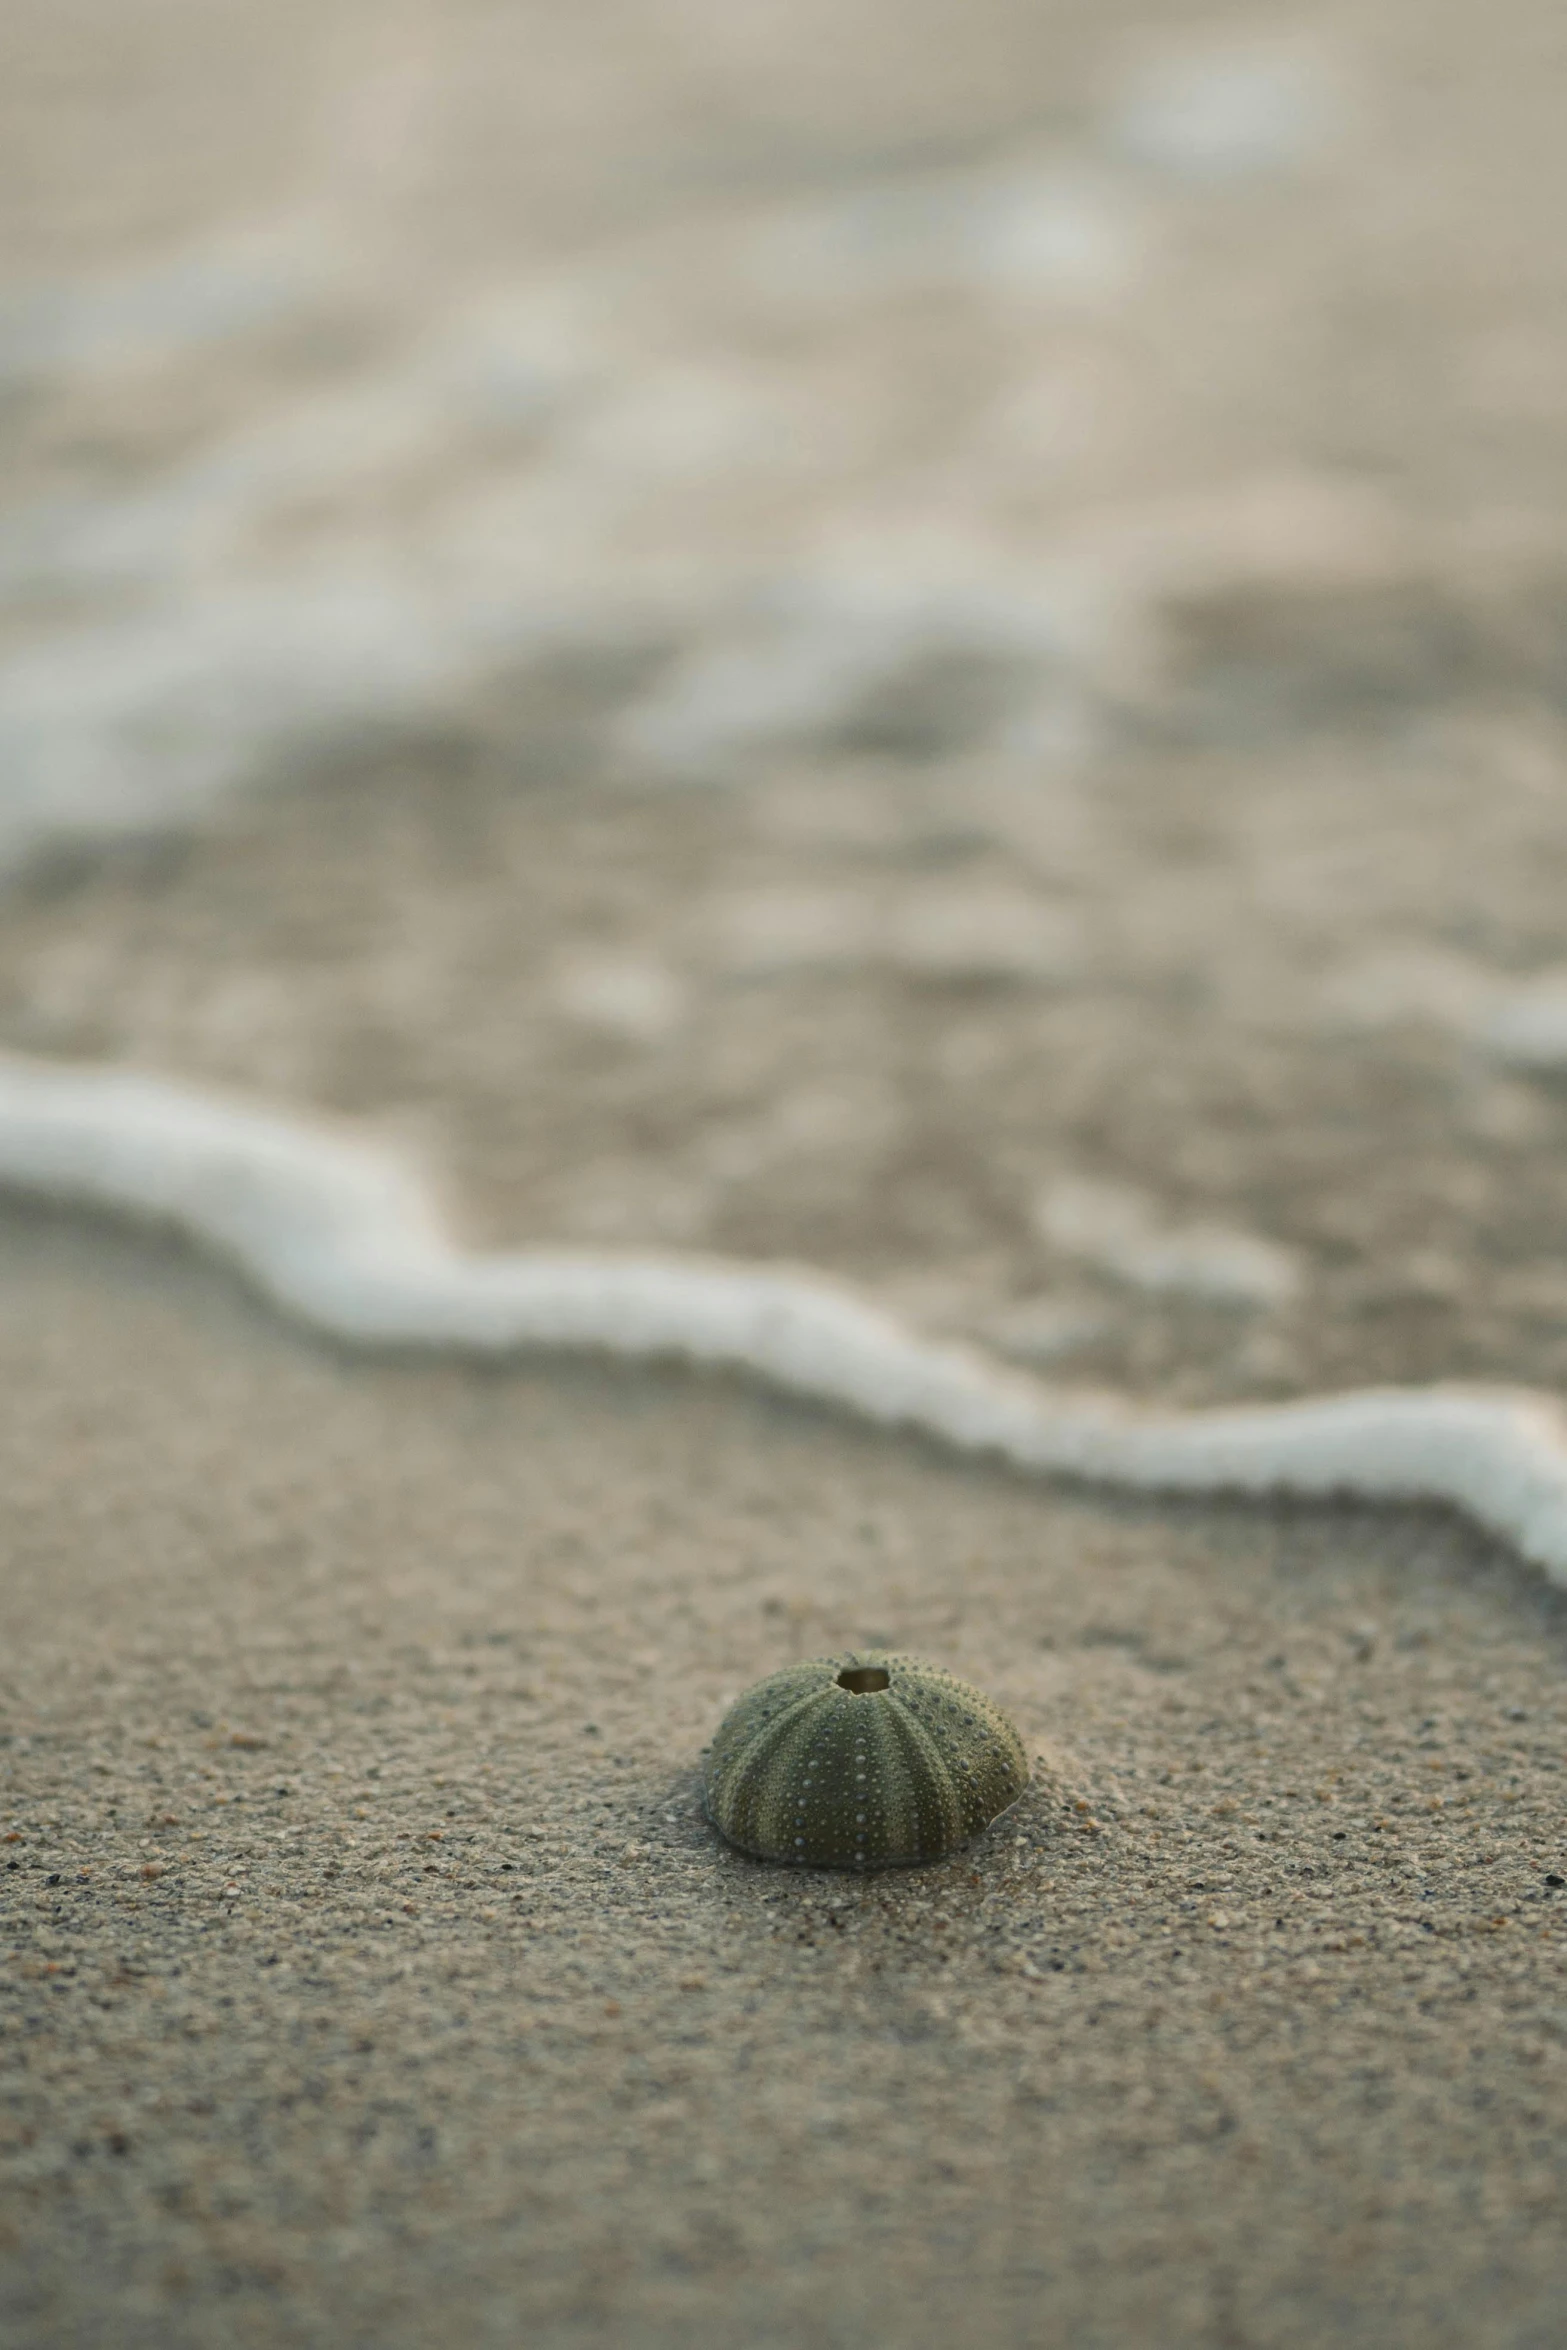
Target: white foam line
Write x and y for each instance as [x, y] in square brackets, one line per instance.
[338, 1233]
[160, 314]
[499, 367]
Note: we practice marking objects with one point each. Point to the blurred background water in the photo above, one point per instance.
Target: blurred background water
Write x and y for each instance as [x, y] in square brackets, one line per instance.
[895, 380]
[930, 637]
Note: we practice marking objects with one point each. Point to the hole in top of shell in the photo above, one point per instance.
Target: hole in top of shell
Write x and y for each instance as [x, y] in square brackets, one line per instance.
[862, 1680]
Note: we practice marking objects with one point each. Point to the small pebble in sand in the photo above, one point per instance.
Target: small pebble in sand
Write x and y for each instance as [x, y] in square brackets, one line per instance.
[861, 1761]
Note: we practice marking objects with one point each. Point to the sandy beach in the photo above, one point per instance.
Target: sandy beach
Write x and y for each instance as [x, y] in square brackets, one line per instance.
[372, 1974]
[930, 654]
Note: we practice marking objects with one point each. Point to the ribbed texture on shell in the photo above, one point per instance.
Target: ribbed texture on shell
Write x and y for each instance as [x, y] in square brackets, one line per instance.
[805, 1771]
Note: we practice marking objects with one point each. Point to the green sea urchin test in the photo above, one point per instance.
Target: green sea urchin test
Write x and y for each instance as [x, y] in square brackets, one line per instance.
[861, 1762]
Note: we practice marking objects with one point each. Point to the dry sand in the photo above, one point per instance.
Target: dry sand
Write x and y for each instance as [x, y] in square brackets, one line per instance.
[371, 1976]
[367, 1975]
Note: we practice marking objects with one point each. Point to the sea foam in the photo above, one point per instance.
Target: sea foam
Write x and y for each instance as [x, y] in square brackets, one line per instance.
[337, 1232]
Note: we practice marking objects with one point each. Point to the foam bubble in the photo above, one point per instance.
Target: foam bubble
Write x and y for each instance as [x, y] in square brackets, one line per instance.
[1228, 109]
[1528, 1030]
[1118, 1229]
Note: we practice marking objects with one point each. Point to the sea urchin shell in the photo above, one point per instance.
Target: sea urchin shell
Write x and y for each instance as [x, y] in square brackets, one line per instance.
[861, 1762]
